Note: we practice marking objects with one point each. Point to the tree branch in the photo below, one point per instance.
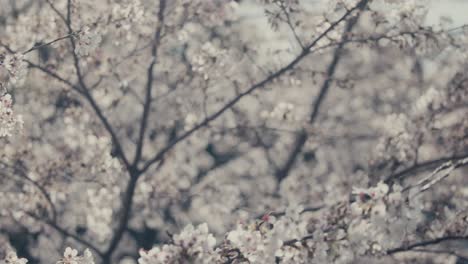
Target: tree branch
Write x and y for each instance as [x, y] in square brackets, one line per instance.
[426, 243]
[86, 93]
[308, 49]
[426, 165]
[301, 139]
[65, 233]
[149, 83]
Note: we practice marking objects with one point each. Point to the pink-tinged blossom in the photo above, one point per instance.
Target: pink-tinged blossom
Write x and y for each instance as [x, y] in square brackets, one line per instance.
[192, 244]
[87, 41]
[9, 121]
[13, 69]
[70, 256]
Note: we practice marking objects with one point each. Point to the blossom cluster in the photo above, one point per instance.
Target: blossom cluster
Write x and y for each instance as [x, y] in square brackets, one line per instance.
[87, 41]
[282, 111]
[13, 69]
[191, 245]
[12, 258]
[9, 121]
[297, 136]
[373, 223]
[70, 256]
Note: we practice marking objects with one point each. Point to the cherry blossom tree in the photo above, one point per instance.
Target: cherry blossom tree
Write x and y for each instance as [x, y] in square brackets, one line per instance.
[138, 131]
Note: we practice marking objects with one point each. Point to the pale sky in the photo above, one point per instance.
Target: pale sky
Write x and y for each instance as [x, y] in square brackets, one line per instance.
[253, 18]
[457, 10]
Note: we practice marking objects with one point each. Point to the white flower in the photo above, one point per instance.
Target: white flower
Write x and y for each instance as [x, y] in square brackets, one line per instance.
[12, 258]
[431, 99]
[16, 69]
[372, 193]
[70, 256]
[282, 111]
[399, 137]
[190, 121]
[166, 254]
[197, 240]
[198, 243]
[249, 242]
[88, 257]
[8, 120]
[87, 41]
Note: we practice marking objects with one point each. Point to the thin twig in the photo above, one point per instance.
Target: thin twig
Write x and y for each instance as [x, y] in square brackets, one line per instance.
[254, 87]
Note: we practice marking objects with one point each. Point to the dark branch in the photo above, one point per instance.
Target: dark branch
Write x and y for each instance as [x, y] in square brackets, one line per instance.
[426, 243]
[309, 48]
[301, 139]
[149, 83]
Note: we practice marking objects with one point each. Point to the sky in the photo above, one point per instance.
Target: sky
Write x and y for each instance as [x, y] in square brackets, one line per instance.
[253, 17]
[457, 10]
